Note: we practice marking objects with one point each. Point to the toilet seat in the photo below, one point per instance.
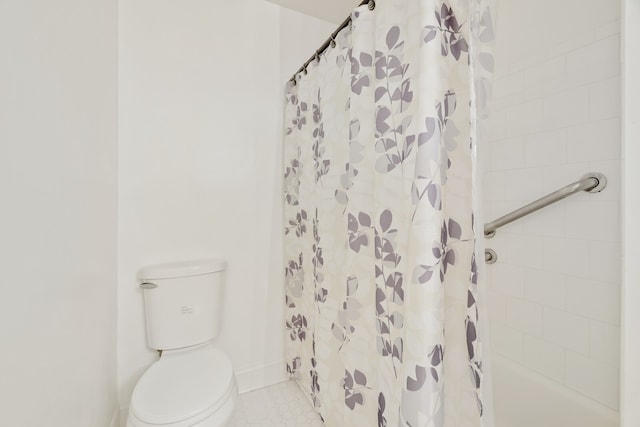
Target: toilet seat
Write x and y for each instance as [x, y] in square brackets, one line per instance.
[184, 387]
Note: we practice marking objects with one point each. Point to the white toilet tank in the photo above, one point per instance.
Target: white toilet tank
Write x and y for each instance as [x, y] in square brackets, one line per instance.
[183, 302]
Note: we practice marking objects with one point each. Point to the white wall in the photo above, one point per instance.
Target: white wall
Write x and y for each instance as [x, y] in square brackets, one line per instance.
[630, 372]
[328, 10]
[58, 128]
[300, 36]
[201, 84]
[555, 291]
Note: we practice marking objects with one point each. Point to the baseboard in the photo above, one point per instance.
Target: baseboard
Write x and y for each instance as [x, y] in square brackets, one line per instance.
[261, 376]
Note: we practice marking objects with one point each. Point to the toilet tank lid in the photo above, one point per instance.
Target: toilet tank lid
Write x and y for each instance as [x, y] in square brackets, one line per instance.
[171, 270]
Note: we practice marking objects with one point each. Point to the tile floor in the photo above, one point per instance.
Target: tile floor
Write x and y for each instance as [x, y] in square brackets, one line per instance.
[279, 405]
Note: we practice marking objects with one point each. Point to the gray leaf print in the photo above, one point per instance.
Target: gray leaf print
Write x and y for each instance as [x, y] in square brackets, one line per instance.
[360, 378]
[293, 367]
[353, 384]
[352, 285]
[382, 114]
[341, 197]
[422, 274]
[471, 338]
[420, 377]
[455, 230]
[433, 195]
[450, 33]
[382, 421]
[355, 65]
[366, 60]
[359, 82]
[397, 348]
[392, 37]
[397, 319]
[364, 219]
[486, 60]
[430, 126]
[429, 33]
[372, 161]
[486, 34]
[386, 217]
[354, 399]
[352, 223]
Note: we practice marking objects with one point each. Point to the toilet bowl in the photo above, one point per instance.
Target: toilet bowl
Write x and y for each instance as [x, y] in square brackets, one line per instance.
[185, 388]
[193, 383]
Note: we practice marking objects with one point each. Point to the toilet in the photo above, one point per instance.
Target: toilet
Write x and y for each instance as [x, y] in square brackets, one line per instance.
[193, 383]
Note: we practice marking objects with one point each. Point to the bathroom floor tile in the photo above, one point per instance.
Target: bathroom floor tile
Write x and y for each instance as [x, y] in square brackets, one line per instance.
[279, 405]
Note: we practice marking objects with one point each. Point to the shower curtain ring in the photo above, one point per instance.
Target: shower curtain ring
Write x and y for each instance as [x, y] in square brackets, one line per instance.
[333, 41]
[317, 57]
[304, 70]
[372, 4]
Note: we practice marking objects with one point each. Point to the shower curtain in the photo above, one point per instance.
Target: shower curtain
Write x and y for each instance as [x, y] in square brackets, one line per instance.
[381, 233]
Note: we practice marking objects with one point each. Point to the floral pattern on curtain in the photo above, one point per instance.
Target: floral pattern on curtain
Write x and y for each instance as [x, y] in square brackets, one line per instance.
[381, 242]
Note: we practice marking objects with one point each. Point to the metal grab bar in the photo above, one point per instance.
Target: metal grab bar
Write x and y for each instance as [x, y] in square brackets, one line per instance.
[592, 182]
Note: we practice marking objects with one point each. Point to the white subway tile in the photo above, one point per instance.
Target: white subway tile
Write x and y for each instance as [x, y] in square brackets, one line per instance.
[605, 343]
[568, 256]
[599, 140]
[497, 307]
[594, 300]
[594, 74]
[498, 244]
[593, 220]
[611, 169]
[508, 102]
[546, 222]
[509, 85]
[592, 378]
[507, 154]
[497, 124]
[546, 148]
[494, 185]
[497, 208]
[524, 250]
[566, 330]
[606, 261]
[500, 208]
[529, 61]
[545, 78]
[554, 294]
[484, 154]
[507, 279]
[524, 316]
[524, 118]
[544, 357]
[580, 40]
[523, 184]
[545, 70]
[605, 99]
[555, 177]
[545, 288]
[595, 62]
[566, 108]
[609, 29]
[506, 341]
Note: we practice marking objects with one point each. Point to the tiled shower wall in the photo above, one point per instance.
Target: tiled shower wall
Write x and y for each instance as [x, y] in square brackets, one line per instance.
[554, 293]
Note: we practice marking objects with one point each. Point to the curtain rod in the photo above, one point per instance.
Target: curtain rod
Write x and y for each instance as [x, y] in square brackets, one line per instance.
[330, 41]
